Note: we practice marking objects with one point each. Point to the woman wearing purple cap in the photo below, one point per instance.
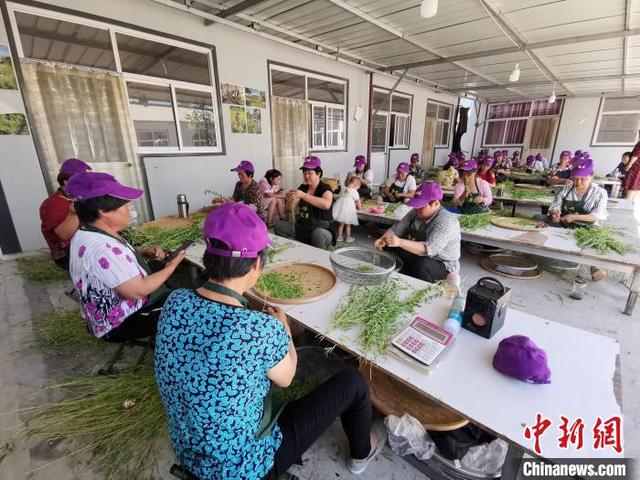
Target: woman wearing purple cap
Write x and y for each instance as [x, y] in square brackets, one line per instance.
[427, 238]
[313, 200]
[400, 187]
[486, 173]
[247, 190]
[216, 360]
[534, 164]
[416, 170]
[448, 176]
[58, 219]
[560, 174]
[364, 174]
[581, 203]
[121, 297]
[516, 159]
[472, 194]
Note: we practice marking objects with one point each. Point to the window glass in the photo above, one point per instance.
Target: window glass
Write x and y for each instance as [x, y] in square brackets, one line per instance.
[380, 101]
[400, 104]
[285, 84]
[325, 91]
[65, 42]
[618, 128]
[335, 127]
[495, 132]
[379, 132]
[154, 59]
[152, 113]
[318, 127]
[196, 117]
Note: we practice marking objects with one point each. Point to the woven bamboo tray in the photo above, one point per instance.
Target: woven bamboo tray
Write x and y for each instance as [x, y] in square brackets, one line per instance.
[515, 223]
[393, 397]
[170, 222]
[317, 282]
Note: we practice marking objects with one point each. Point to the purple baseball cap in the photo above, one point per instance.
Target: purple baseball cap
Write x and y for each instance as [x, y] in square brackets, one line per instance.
[530, 159]
[488, 161]
[583, 168]
[577, 153]
[414, 158]
[88, 185]
[497, 154]
[239, 227]
[565, 153]
[403, 167]
[539, 156]
[516, 153]
[518, 357]
[71, 166]
[360, 160]
[244, 166]
[311, 163]
[426, 192]
[505, 153]
[469, 165]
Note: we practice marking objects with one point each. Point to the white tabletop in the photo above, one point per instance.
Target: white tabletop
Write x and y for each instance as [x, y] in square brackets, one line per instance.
[582, 365]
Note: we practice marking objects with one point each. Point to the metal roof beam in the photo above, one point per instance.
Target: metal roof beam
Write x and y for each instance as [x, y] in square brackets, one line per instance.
[529, 46]
[237, 26]
[234, 10]
[538, 83]
[399, 34]
[509, 31]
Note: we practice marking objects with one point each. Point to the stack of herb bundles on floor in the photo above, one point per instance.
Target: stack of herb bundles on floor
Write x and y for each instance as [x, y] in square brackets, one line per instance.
[378, 311]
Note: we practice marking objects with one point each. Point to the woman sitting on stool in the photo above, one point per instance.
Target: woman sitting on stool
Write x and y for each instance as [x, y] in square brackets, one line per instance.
[472, 194]
[216, 360]
[402, 187]
[120, 296]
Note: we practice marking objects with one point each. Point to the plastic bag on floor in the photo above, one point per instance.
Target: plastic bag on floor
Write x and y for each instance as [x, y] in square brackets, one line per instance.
[487, 458]
[407, 437]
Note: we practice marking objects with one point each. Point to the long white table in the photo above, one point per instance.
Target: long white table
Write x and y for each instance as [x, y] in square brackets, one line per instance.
[559, 243]
[583, 367]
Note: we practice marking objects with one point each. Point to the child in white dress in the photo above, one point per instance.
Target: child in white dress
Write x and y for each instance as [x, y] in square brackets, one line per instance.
[345, 209]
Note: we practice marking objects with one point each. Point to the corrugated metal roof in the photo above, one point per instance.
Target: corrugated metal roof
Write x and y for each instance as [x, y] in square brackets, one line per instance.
[492, 35]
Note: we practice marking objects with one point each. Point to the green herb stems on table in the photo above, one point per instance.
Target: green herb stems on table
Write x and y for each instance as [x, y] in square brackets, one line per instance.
[602, 239]
[280, 285]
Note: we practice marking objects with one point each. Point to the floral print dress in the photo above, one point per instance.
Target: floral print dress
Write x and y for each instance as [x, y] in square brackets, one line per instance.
[98, 264]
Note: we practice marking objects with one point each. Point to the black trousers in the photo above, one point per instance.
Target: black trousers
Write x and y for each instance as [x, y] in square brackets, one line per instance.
[425, 268]
[141, 324]
[345, 395]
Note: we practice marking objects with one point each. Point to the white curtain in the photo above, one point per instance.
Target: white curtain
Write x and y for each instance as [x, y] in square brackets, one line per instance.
[82, 113]
[540, 136]
[290, 120]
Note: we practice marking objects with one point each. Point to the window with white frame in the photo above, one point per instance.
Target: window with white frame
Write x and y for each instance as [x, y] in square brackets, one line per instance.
[392, 112]
[441, 113]
[618, 121]
[507, 122]
[170, 84]
[327, 98]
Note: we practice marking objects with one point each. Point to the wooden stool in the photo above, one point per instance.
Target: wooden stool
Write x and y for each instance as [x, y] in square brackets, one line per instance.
[392, 397]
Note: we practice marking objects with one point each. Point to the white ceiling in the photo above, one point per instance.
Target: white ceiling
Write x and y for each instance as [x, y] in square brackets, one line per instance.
[382, 34]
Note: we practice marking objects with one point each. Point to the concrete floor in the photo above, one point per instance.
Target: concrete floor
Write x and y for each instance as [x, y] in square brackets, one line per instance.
[24, 370]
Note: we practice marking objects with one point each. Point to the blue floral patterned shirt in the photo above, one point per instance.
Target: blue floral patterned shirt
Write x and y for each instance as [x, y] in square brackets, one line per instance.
[211, 363]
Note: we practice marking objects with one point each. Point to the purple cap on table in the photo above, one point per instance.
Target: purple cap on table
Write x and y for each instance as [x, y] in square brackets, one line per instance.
[583, 168]
[239, 227]
[360, 161]
[518, 357]
[244, 166]
[311, 162]
[469, 165]
[415, 158]
[71, 166]
[88, 185]
[426, 193]
[403, 167]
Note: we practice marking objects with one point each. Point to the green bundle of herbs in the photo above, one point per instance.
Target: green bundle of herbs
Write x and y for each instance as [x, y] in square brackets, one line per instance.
[64, 331]
[167, 239]
[41, 269]
[474, 220]
[378, 309]
[602, 239]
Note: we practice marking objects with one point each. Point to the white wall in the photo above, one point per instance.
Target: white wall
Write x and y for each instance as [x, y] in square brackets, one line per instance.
[576, 130]
[242, 59]
[20, 173]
